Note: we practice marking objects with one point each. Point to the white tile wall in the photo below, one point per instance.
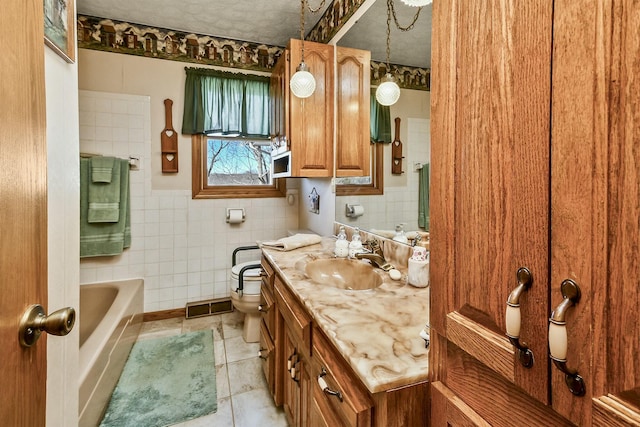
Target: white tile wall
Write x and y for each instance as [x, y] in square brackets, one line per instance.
[398, 204]
[181, 247]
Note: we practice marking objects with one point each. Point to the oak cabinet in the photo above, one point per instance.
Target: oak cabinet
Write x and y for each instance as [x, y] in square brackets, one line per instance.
[296, 344]
[308, 124]
[353, 95]
[270, 335]
[533, 166]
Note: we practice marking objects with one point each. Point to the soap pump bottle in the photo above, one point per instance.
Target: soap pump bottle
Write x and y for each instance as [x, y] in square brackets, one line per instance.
[400, 236]
[342, 245]
[355, 246]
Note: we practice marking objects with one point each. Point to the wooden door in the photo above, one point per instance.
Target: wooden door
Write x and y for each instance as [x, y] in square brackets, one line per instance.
[279, 91]
[23, 212]
[490, 199]
[596, 205]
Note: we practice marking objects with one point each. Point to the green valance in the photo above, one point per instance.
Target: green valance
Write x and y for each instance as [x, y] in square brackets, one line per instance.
[224, 103]
[380, 120]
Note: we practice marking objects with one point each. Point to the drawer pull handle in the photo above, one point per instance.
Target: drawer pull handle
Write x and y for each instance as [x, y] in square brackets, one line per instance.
[264, 354]
[325, 387]
[513, 319]
[558, 343]
[264, 308]
[291, 362]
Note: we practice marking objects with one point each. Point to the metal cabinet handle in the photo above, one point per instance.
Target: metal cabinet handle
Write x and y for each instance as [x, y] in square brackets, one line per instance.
[325, 387]
[264, 354]
[34, 321]
[558, 343]
[513, 317]
[264, 308]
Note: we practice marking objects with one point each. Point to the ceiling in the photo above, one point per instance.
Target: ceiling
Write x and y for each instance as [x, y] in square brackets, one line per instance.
[274, 22]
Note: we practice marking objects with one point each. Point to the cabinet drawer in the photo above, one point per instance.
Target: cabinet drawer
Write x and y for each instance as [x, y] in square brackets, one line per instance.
[268, 309]
[295, 315]
[269, 275]
[267, 356]
[334, 386]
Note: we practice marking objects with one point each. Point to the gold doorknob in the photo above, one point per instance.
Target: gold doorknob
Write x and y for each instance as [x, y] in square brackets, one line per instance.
[34, 321]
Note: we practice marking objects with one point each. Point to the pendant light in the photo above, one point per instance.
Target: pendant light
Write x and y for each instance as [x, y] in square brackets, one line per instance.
[302, 83]
[416, 3]
[388, 91]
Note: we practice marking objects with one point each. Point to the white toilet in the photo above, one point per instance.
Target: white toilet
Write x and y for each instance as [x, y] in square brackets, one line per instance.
[247, 300]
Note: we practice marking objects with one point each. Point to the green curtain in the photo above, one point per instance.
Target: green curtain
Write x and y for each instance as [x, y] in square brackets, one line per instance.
[423, 197]
[226, 103]
[380, 120]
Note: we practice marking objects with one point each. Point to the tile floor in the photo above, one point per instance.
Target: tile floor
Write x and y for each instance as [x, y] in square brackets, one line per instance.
[243, 397]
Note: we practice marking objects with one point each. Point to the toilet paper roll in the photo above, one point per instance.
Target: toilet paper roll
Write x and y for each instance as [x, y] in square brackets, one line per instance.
[354, 211]
[235, 216]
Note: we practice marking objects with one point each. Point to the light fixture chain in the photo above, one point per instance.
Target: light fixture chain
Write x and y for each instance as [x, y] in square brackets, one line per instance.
[395, 18]
[389, 7]
[302, 5]
[318, 8]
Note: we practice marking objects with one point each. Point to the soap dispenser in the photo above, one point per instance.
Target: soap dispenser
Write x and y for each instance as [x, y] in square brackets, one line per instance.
[342, 245]
[355, 246]
[400, 236]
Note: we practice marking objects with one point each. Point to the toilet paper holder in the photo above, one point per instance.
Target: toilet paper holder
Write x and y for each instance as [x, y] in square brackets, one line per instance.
[232, 215]
[353, 211]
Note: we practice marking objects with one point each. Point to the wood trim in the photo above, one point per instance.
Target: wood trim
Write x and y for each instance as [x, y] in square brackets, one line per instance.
[377, 179]
[492, 349]
[448, 409]
[164, 314]
[608, 411]
[201, 191]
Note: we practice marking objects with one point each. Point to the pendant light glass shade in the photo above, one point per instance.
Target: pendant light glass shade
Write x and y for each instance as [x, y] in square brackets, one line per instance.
[388, 92]
[416, 3]
[302, 83]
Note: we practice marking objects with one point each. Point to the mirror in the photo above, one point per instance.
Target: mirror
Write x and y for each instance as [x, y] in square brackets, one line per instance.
[399, 202]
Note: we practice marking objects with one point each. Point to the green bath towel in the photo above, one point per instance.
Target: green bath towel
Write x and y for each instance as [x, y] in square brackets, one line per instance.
[104, 196]
[104, 238]
[423, 197]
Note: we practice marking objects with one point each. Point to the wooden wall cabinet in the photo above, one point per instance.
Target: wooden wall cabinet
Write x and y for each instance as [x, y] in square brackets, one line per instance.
[308, 124]
[353, 118]
[535, 164]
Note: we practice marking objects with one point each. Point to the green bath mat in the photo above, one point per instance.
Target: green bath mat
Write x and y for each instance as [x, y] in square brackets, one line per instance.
[165, 381]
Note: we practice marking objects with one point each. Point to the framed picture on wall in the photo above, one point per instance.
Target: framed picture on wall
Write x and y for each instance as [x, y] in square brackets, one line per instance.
[59, 16]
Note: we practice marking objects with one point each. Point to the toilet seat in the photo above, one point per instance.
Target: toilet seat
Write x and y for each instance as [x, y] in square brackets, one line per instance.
[252, 279]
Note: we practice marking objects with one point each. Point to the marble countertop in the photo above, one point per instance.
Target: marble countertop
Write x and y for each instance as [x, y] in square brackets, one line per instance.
[376, 330]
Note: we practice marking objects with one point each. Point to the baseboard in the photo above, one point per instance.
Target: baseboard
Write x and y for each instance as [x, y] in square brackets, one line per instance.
[163, 314]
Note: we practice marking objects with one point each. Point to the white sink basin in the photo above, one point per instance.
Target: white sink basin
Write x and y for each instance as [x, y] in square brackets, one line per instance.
[343, 273]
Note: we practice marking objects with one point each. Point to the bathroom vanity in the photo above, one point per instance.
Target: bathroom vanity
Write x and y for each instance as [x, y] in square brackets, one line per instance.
[334, 356]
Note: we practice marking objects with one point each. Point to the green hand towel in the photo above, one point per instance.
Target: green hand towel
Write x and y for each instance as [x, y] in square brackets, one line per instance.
[102, 169]
[104, 197]
[104, 239]
[423, 197]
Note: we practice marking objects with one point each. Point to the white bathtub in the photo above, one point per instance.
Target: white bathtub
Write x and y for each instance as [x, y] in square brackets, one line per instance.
[110, 320]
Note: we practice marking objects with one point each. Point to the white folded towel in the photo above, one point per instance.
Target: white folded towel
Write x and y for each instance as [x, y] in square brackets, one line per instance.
[292, 242]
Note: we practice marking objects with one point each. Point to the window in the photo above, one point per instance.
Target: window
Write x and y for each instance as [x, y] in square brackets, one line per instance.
[227, 115]
[225, 167]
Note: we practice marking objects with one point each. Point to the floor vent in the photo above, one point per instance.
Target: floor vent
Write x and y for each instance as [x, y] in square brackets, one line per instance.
[208, 307]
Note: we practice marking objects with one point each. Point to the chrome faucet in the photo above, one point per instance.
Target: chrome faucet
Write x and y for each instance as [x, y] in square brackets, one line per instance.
[375, 256]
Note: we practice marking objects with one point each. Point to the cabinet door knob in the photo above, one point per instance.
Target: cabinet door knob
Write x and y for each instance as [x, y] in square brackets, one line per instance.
[558, 343]
[264, 354]
[262, 308]
[513, 318]
[325, 387]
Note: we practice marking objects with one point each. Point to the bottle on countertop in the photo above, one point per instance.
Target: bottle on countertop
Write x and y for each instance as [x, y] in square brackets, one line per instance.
[355, 246]
[342, 245]
[400, 236]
